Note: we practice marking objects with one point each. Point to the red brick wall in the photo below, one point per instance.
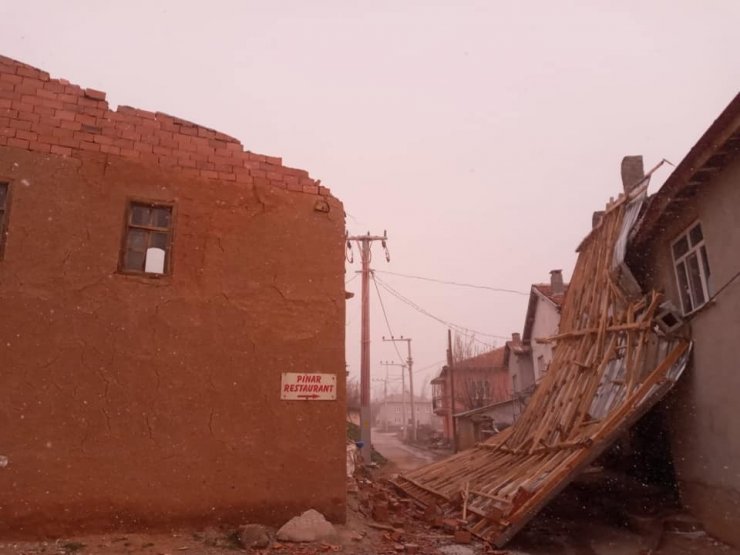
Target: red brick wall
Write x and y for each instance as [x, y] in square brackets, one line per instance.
[47, 115]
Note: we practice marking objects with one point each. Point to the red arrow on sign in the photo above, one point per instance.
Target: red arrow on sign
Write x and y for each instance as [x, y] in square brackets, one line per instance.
[314, 396]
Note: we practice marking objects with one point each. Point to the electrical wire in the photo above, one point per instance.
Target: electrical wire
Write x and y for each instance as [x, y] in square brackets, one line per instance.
[385, 315]
[458, 284]
[467, 332]
[418, 308]
[725, 286]
[428, 366]
[350, 279]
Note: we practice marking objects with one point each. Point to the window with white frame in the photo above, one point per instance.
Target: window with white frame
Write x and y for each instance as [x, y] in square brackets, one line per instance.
[692, 268]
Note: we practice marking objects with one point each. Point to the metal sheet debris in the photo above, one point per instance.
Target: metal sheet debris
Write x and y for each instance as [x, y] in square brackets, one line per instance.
[611, 364]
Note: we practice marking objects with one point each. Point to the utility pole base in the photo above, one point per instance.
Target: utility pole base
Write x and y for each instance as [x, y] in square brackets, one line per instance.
[365, 435]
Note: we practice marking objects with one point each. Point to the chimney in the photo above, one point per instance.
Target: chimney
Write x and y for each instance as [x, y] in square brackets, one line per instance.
[516, 338]
[556, 282]
[632, 172]
[596, 218]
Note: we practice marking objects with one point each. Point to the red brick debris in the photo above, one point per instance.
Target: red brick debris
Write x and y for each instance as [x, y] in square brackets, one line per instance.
[53, 116]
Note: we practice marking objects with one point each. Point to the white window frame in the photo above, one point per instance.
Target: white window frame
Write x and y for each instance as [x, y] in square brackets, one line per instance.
[681, 266]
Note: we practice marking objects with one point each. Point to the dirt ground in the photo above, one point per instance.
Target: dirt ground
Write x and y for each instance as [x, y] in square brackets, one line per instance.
[402, 457]
[601, 514]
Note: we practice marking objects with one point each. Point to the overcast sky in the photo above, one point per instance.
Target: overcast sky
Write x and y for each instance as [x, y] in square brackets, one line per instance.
[481, 135]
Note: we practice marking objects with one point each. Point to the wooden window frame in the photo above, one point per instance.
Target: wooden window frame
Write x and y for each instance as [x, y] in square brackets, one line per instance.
[5, 210]
[127, 225]
[700, 251]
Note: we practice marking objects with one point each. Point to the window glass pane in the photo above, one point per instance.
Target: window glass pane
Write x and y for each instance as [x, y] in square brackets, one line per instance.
[3, 194]
[683, 286]
[680, 248]
[705, 263]
[162, 216]
[697, 290]
[159, 240]
[134, 260]
[140, 215]
[136, 240]
[695, 235]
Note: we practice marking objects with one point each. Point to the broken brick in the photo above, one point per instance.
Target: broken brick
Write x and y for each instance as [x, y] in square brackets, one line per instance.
[380, 512]
[463, 536]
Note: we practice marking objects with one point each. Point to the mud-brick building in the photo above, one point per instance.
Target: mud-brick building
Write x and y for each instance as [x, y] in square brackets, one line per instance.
[156, 280]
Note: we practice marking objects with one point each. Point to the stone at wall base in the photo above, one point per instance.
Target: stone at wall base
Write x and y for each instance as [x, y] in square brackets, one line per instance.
[254, 535]
[311, 526]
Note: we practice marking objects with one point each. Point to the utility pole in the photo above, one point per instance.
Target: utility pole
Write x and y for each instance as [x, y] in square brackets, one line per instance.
[385, 399]
[410, 365]
[403, 390]
[364, 243]
[450, 373]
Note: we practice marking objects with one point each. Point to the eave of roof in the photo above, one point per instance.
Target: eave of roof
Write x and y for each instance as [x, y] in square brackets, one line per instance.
[483, 409]
[719, 143]
[490, 359]
[536, 292]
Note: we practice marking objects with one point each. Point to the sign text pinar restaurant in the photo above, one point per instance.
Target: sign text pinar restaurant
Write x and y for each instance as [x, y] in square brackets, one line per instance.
[308, 387]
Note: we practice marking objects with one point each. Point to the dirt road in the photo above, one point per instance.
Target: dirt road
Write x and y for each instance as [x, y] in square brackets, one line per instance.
[402, 457]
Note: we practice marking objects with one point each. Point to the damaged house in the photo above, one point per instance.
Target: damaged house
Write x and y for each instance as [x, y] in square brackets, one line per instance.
[156, 281]
[687, 245]
[655, 291]
[612, 362]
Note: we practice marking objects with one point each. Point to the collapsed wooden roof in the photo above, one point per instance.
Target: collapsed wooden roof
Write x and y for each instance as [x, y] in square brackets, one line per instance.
[610, 365]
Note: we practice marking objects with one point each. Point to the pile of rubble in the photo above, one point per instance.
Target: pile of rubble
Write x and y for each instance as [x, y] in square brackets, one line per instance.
[405, 526]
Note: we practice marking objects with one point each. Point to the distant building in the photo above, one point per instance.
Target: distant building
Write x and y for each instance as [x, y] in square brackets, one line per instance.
[479, 424]
[526, 359]
[542, 320]
[518, 360]
[478, 382]
[391, 413]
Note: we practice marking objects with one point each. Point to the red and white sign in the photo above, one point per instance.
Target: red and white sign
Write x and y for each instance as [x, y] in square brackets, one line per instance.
[308, 387]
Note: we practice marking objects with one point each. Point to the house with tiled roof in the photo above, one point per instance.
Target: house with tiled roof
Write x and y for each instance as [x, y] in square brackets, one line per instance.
[542, 320]
[478, 382]
[394, 412]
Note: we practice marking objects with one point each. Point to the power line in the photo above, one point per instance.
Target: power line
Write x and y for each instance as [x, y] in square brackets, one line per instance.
[385, 314]
[458, 284]
[428, 366]
[460, 329]
[418, 308]
[350, 279]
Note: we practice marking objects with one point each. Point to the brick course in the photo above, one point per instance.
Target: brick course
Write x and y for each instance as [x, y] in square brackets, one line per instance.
[53, 116]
